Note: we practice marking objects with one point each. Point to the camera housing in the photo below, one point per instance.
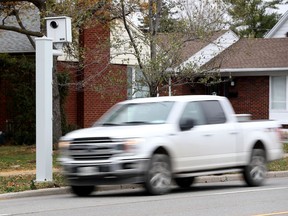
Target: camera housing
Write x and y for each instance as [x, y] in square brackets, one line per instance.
[59, 29]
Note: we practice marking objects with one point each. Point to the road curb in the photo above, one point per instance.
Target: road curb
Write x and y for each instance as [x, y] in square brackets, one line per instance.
[34, 193]
[65, 190]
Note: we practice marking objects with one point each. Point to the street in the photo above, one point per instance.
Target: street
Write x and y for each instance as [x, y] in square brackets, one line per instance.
[220, 198]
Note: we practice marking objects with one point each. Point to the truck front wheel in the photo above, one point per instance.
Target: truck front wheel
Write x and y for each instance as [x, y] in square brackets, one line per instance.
[255, 173]
[158, 176]
[82, 191]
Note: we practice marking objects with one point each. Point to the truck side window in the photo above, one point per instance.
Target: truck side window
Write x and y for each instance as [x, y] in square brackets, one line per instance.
[213, 112]
[193, 111]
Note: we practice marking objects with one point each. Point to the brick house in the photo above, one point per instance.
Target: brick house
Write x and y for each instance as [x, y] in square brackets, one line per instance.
[103, 84]
[259, 69]
[280, 30]
[256, 68]
[251, 70]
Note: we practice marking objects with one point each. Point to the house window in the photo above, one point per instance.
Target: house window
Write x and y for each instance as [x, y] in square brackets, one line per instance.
[278, 92]
[137, 87]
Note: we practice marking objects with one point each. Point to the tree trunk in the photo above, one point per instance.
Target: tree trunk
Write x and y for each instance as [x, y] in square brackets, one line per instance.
[57, 130]
[153, 89]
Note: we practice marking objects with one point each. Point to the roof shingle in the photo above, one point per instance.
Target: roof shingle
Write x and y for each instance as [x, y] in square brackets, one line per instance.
[254, 53]
[13, 42]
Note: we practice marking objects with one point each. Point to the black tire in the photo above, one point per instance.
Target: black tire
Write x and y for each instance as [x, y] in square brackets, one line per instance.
[255, 173]
[184, 182]
[82, 191]
[159, 176]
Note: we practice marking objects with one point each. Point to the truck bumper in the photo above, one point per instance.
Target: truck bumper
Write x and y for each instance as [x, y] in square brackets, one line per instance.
[105, 173]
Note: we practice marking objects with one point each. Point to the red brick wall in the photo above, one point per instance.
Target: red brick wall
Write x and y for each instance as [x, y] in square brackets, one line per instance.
[105, 91]
[249, 95]
[253, 96]
[181, 90]
[178, 89]
[104, 84]
[96, 86]
[71, 100]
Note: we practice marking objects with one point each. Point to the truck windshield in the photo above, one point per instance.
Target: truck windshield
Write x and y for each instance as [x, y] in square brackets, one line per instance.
[138, 113]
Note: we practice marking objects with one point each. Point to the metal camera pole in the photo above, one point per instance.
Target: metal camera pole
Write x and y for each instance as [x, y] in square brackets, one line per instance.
[44, 64]
[58, 32]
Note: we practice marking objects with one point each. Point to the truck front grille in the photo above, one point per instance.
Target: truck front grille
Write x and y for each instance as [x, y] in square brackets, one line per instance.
[100, 148]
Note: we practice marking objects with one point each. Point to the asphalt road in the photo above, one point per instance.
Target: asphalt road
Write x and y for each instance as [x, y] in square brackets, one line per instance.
[216, 198]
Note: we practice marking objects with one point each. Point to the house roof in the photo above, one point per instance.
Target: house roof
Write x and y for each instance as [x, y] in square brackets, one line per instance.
[254, 53]
[214, 45]
[246, 53]
[13, 42]
[190, 47]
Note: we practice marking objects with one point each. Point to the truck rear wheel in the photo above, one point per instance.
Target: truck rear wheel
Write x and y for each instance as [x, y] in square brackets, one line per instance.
[82, 191]
[158, 177]
[184, 182]
[255, 173]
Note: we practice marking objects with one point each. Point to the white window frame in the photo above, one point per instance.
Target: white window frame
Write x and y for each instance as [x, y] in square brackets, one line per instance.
[286, 99]
[280, 115]
[134, 88]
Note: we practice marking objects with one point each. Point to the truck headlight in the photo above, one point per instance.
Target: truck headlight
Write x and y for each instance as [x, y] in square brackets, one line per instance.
[131, 145]
[63, 144]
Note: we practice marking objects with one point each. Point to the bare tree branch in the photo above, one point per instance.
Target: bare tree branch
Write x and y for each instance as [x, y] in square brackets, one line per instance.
[130, 35]
[23, 28]
[40, 4]
[22, 31]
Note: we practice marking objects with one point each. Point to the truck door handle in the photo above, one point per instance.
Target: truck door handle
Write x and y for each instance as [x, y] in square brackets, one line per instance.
[208, 135]
[233, 132]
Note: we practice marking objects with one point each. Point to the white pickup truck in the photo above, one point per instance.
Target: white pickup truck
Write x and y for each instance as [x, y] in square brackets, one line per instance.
[155, 141]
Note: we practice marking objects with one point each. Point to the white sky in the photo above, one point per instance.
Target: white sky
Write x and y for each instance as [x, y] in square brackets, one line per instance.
[283, 8]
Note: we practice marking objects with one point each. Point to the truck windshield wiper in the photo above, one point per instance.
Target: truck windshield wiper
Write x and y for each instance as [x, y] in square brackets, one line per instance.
[136, 122]
[110, 124]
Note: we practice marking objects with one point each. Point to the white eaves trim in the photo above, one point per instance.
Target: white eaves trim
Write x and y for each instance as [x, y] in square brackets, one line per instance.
[281, 27]
[211, 50]
[231, 70]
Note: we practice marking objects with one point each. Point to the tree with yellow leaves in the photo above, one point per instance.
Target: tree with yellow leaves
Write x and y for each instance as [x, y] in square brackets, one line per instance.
[156, 46]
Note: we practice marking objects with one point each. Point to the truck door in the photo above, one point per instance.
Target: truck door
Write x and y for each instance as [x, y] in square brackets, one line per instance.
[211, 142]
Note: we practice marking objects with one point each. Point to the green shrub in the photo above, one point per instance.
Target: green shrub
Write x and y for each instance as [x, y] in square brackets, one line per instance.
[19, 74]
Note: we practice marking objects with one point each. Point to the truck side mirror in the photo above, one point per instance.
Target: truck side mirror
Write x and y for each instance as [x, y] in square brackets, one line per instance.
[186, 124]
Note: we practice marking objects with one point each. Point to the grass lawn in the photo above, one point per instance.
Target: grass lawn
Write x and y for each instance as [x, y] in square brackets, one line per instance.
[280, 165]
[17, 183]
[16, 158]
[20, 158]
